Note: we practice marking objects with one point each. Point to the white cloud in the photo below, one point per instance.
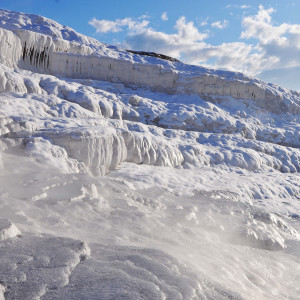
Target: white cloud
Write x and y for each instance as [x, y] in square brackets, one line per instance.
[144, 17]
[259, 26]
[187, 37]
[243, 6]
[220, 24]
[189, 45]
[204, 22]
[188, 31]
[104, 26]
[164, 16]
[281, 42]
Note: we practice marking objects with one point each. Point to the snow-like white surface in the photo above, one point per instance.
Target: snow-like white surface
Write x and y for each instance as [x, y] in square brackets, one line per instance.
[8, 230]
[136, 178]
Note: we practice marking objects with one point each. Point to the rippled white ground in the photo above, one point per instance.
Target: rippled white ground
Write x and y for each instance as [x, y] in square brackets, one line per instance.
[151, 233]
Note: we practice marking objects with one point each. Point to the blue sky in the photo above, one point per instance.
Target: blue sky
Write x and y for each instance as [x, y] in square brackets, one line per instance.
[259, 38]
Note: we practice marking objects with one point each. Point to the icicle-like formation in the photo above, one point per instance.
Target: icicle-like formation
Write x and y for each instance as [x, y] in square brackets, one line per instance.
[103, 149]
[10, 48]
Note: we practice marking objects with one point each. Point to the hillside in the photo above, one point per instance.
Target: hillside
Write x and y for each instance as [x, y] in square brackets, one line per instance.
[128, 176]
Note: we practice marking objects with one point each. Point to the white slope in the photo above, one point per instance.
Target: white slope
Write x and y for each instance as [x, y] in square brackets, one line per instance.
[133, 177]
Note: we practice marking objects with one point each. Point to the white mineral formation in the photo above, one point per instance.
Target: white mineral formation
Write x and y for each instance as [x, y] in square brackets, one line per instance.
[125, 176]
